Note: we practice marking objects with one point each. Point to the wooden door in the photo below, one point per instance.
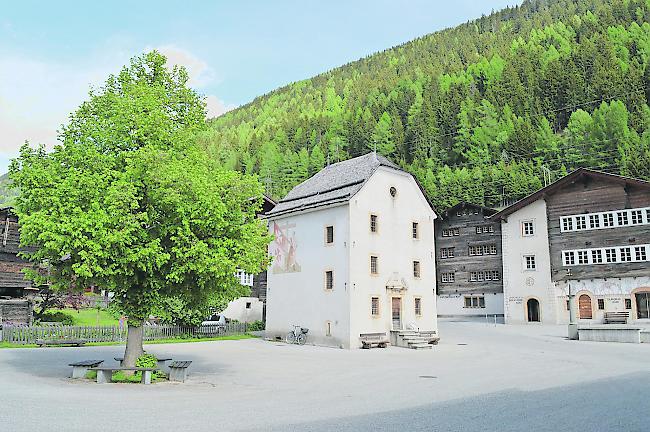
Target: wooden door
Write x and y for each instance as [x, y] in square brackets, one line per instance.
[642, 305]
[584, 306]
[396, 304]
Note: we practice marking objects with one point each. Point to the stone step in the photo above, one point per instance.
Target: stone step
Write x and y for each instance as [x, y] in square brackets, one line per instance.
[420, 346]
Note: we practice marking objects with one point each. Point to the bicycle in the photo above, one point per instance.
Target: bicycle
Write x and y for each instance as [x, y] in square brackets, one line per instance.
[298, 335]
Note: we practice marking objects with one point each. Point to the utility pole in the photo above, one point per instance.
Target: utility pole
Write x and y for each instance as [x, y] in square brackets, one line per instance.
[573, 326]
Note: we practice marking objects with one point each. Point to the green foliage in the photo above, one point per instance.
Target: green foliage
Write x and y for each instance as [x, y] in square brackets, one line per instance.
[551, 85]
[146, 361]
[128, 201]
[256, 326]
[57, 316]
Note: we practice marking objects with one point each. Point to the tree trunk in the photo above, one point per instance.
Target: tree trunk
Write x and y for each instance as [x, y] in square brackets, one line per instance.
[134, 348]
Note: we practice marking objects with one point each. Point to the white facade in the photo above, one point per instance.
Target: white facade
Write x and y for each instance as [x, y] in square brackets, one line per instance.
[453, 305]
[523, 285]
[244, 309]
[297, 292]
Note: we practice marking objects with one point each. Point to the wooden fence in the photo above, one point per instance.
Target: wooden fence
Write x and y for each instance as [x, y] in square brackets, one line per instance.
[23, 335]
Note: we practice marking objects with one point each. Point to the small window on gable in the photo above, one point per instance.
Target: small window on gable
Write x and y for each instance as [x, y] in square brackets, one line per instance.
[373, 223]
[415, 230]
[527, 228]
[329, 234]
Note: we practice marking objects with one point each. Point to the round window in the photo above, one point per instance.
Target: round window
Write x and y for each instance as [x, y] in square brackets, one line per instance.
[393, 191]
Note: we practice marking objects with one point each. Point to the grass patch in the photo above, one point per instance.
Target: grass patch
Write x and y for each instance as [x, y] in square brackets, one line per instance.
[154, 342]
[90, 317]
[91, 375]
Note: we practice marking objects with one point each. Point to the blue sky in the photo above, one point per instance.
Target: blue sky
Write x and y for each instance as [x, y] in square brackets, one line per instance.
[52, 52]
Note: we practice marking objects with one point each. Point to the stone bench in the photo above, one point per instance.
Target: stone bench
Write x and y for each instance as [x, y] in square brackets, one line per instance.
[105, 374]
[60, 342]
[368, 340]
[80, 369]
[178, 370]
[612, 333]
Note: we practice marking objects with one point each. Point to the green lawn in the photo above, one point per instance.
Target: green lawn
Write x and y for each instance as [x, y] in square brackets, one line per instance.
[155, 342]
[88, 317]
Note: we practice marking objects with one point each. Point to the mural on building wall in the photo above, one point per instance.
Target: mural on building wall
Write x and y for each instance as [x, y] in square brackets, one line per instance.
[283, 248]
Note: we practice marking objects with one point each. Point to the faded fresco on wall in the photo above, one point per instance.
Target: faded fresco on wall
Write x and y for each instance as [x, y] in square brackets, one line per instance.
[283, 248]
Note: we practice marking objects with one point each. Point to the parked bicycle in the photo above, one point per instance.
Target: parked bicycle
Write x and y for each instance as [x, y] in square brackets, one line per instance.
[298, 335]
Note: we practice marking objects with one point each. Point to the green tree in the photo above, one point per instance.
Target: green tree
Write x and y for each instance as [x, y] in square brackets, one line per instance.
[130, 203]
[382, 137]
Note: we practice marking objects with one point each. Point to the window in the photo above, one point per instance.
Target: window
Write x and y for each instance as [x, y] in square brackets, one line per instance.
[569, 258]
[628, 304]
[622, 218]
[373, 265]
[597, 256]
[608, 220]
[244, 278]
[392, 191]
[475, 302]
[329, 280]
[373, 223]
[479, 230]
[610, 255]
[493, 249]
[640, 253]
[329, 234]
[581, 222]
[415, 232]
[456, 231]
[594, 221]
[475, 250]
[567, 224]
[473, 276]
[445, 233]
[418, 306]
[490, 228]
[601, 304]
[529, 262]
[527, 228]
[479, 276]
[416, 269]
[374, 306]
[496, 275]
[448, 277]
[488, 275]
[583, 257]
[248, 305]
[626, 254]
[637, 217]
[446, 253]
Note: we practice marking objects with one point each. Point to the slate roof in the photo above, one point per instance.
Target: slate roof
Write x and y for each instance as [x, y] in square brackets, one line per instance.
[335, 183]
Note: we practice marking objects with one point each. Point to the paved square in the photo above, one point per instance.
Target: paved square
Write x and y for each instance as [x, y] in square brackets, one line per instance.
[480, 377]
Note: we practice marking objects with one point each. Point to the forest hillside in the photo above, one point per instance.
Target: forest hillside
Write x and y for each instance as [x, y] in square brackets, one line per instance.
[487, 111]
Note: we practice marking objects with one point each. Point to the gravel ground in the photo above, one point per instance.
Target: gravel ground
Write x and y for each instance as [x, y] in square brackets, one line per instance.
[487, 378]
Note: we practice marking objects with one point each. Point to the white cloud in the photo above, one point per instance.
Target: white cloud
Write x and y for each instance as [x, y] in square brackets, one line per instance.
[199, 72]
[36, 96]
[216, 106]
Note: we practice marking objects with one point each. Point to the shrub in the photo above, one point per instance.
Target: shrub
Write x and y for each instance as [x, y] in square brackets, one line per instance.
[60, 317]
[255, 326]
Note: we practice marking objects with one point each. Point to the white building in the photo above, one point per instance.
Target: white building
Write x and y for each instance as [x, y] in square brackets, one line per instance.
[353, 254]
[590, 232]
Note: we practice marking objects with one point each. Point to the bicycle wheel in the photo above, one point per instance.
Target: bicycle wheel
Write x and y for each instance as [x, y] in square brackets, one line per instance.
[291, 338]
[301, 339]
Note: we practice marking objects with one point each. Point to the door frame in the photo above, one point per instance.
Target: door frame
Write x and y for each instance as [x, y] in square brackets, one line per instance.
[539, 309]
[591, 303]
[401, 312]
[634, 313]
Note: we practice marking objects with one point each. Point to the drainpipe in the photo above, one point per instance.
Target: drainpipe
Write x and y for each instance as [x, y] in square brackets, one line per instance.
[573, 325]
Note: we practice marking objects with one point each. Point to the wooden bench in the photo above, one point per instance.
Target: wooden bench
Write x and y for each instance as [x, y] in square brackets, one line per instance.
[161, 361]
[178, 370]
[79, 369]
[619, 317]
[431, 336]
[368, 340]
[105, 374]
[60, 342]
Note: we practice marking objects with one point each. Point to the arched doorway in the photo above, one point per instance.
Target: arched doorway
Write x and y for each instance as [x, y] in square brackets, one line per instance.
[642, 300]
[532, 306]
[584, 307]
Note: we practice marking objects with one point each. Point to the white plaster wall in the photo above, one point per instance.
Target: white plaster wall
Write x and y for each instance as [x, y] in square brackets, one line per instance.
[519, 284]
[300, 297]
[237, 310]
[613, 291]
[396, 249]
[453, 305]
